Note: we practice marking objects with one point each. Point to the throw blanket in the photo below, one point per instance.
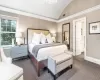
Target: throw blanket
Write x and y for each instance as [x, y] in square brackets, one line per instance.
[38, 47]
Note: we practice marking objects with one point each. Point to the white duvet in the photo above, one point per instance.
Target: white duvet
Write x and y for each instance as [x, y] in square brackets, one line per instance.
[43, 53]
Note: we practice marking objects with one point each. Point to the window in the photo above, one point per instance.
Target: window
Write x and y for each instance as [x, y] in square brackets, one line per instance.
[7, 31]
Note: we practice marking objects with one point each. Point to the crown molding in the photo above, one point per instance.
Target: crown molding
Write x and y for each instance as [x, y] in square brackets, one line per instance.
[49, 19]
[26, 13]
[80, 13]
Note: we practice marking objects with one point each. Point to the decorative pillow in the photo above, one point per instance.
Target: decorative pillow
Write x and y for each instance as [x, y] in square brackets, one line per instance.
[43, 38]
[36, 38]
[49, 38]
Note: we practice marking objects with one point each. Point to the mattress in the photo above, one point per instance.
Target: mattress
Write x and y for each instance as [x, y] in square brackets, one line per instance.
[43, 53]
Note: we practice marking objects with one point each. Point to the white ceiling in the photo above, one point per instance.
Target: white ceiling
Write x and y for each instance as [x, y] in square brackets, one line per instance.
[37, 7]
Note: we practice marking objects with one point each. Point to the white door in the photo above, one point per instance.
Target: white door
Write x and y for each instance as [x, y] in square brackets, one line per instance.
[82, 37]
[78, 38]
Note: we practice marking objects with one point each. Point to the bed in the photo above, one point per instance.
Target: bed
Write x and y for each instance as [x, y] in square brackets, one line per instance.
[39, 53]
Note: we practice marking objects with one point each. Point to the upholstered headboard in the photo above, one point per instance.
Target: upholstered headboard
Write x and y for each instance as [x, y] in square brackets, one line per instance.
[30, 32]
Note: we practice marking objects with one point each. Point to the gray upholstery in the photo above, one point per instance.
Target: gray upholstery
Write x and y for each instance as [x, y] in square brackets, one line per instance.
[59, 62]
[62, 58]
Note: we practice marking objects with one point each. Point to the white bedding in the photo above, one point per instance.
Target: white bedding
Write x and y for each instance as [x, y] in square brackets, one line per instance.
[43, 53]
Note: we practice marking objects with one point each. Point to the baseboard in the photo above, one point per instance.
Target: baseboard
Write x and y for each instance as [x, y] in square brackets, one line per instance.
[91, 59]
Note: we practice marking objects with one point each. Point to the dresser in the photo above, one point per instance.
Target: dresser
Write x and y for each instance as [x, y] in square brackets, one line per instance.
[19, 51]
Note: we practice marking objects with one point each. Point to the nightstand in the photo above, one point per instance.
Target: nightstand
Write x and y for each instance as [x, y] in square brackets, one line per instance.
[19, 51]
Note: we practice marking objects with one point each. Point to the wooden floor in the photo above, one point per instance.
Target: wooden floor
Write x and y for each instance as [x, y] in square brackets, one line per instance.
[82, 70]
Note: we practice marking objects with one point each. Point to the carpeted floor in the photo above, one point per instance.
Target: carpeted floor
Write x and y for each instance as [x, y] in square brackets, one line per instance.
[82, 70]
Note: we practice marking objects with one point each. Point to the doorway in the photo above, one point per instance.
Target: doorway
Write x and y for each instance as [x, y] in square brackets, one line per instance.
[66, 34]
[79, 36]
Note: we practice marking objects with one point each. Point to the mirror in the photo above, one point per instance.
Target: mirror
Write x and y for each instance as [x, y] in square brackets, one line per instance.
[66, 34]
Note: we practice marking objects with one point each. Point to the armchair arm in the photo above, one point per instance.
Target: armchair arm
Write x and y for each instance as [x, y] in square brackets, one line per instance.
[7, 60]
[4, 58]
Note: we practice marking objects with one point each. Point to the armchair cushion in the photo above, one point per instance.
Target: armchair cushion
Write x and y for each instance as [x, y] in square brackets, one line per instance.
[68, 52]
[62, 57]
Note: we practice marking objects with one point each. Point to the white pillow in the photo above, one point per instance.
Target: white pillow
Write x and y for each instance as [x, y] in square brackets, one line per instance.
[49, 38]
[36, 38]
[43, 38]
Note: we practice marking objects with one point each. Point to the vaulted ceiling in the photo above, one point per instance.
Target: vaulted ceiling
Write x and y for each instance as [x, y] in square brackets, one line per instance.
[37, 7]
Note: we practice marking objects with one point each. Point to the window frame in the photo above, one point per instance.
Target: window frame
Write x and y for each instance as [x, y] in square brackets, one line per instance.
[8, 18]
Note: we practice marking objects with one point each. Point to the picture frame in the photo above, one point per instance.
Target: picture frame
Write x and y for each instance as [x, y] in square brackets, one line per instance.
[94, 27]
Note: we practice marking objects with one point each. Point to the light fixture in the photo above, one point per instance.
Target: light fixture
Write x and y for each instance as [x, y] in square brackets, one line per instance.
[54, 37]
[19, 36]
[54, 34]
[51, 1]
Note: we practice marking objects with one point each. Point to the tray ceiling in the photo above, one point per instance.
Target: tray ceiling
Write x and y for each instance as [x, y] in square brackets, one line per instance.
[37, 7]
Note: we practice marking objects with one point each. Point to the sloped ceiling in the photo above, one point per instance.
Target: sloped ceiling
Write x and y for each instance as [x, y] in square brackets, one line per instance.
[37, 7]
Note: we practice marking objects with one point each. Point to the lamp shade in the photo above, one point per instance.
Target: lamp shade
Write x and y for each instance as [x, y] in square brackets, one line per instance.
[54, 34]
[54, 39]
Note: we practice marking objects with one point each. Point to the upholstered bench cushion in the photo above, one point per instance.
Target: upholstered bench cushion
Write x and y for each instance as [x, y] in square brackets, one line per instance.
[62, 58]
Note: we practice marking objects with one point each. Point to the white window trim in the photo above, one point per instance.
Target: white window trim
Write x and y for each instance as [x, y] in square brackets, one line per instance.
[0, 32]
[10, 18]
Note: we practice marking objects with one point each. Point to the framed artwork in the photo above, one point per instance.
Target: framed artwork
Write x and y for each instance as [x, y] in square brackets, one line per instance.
[94, 28]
